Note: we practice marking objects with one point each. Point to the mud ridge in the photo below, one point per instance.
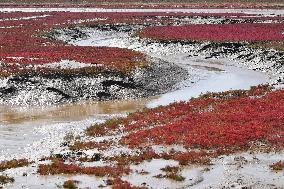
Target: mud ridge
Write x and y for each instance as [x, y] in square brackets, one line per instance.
[33, 89]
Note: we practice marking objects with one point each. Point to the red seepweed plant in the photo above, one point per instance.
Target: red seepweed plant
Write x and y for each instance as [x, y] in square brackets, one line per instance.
[217, 32]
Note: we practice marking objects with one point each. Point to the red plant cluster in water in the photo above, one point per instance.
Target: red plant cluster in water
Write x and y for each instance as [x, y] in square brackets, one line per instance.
[59, 167]
[217, 32]
[117, 183]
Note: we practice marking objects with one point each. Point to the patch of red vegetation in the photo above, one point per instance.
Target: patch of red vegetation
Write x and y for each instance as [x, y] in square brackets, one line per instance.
[19, 15]
[234, 120]
[217, 32]
[78, 145]
[59, 167]
[117, 183]
[165, 114]
[235, 123]
[22, 45]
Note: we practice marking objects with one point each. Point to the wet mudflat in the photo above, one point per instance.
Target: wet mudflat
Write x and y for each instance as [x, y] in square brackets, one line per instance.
[34, 132]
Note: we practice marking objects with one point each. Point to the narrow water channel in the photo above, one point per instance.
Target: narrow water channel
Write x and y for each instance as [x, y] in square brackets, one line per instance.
[206, 75]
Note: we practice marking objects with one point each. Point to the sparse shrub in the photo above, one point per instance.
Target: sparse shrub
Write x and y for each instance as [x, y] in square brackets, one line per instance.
[173, 169]
[4, 179]
[278, 166]
[175, 177]
[13, 164]
[70, 184]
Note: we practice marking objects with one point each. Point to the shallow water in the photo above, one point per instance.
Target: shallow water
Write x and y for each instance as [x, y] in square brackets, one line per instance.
[28, 130]
[231, 78]
[68, 112]
[35, 140]
[35, 131]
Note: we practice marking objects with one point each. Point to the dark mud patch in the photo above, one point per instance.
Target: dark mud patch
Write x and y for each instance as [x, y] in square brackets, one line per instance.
[73, 33]
[32, 89]
[208, 68]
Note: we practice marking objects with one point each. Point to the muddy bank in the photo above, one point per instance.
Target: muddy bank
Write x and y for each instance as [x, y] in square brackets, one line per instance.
[32, 89]
[212, 66]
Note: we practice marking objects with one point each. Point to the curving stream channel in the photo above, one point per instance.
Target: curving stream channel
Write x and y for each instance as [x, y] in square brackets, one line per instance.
[32, 132]
[205, 75]
[25, 129]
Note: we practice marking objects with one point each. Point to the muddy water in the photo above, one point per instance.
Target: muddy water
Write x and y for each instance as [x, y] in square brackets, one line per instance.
[35, 131]
[68, 112]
